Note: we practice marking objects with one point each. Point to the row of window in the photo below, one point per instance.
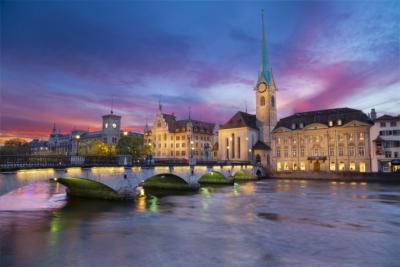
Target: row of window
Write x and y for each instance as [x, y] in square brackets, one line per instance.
[389, 132]
[316, 139]
[388, 154]
[333, 166]
[177, 145]
[319, 152]
[183, 137]
[392, 124]
[181, 153]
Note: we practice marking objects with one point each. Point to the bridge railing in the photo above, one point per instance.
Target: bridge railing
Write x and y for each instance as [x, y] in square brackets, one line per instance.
[61, 161]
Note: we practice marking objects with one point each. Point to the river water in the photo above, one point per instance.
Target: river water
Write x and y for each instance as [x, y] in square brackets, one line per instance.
[263, 223]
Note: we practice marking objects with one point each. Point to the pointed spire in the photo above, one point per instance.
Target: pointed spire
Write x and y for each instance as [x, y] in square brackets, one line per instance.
[245, 106]
[112, 105]
[265, 70]
[54, 128]
[159, 106]
[146, 127]
[190, 117]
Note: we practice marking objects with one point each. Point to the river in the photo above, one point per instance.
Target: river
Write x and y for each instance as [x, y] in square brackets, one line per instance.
[263, 223]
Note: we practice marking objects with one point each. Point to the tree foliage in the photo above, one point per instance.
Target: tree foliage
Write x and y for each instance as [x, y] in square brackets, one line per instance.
[96, 148]
[15, 146]
[131, 145]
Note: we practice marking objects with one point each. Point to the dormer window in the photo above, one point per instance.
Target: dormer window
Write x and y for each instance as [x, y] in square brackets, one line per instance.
[293, 126]
[339, 122]
[301, 125]
[330, 123]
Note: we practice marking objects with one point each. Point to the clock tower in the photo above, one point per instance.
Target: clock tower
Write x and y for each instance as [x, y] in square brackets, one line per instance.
[111, 128]
[266, 113]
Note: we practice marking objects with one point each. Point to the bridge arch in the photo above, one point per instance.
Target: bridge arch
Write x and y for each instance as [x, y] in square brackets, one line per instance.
[215, 177]
[167, 181]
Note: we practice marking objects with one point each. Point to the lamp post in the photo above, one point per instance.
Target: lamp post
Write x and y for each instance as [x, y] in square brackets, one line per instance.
[227, 153]
[77, 137]
[250, 155]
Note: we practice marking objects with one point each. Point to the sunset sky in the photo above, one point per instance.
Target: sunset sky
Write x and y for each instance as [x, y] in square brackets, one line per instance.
[64, 62]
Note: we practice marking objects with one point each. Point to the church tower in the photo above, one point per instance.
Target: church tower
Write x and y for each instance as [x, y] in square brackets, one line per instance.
[266, 113]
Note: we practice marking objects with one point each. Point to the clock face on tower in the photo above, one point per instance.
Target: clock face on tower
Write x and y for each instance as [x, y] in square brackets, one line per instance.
[114, 125]
[262, 87]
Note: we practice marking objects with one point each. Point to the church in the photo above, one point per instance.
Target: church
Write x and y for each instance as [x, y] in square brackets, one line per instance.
[247, 136]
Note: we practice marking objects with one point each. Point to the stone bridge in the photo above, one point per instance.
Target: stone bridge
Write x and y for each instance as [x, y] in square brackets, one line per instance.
[119, 177]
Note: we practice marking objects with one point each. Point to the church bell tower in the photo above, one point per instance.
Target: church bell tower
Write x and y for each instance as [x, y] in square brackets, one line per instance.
[266, 113]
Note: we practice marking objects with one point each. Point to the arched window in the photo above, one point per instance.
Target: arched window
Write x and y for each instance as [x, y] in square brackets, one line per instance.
[262, 101]
[272, 101]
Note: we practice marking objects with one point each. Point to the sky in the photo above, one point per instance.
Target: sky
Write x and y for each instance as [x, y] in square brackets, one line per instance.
[69, 63]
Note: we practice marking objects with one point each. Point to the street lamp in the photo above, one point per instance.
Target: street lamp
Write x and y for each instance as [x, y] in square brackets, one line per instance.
[250, 156]
[77, 137]
[227, 154]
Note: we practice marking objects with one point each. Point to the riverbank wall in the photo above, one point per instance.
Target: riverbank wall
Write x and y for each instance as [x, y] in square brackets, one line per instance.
[378, 177]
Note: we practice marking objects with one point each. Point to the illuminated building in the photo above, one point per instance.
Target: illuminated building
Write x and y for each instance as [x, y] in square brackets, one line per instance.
[323, 140]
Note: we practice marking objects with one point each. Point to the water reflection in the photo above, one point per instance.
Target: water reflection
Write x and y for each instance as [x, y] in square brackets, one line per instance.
[276, 222]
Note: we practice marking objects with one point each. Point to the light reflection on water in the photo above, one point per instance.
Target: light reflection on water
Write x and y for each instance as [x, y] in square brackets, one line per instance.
[270, 222]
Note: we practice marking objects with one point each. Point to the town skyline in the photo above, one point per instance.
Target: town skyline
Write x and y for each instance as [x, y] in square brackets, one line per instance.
[72, 79]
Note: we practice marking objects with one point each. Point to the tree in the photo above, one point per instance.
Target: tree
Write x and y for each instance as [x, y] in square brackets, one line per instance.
[15, 146]
[96, 148]
[131, 145]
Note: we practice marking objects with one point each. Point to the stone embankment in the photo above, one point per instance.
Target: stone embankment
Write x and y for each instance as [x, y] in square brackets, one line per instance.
[378, 177]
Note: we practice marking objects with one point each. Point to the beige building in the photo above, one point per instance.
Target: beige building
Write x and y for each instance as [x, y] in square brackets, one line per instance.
[324, 140]
[180, 139]
[247, 137]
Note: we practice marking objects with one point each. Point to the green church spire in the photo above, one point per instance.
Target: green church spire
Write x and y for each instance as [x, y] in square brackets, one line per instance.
[265, 74]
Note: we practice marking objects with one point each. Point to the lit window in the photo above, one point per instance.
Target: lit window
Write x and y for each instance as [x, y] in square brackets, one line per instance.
[341, 166]
[352, 166]
[332, 166]
[278, 166]
[330, 123]
[302, 166]
[301, 125]
[286, 166]
[339, 122]
[362, 166]
[293, 126]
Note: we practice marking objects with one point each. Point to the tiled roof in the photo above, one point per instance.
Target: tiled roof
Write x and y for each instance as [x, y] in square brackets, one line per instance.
[181, 125]
[323, 116]
[241, 119]
[387, 118]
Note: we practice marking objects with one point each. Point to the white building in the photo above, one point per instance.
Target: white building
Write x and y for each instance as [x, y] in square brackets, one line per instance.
[385, 144]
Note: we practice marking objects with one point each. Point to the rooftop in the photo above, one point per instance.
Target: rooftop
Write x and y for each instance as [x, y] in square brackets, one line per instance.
[336, 115]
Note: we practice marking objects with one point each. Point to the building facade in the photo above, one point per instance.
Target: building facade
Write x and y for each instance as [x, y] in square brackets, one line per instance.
[246, 136]
[385, 144]
[324, 140]
[180, 139]
[67, 144]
